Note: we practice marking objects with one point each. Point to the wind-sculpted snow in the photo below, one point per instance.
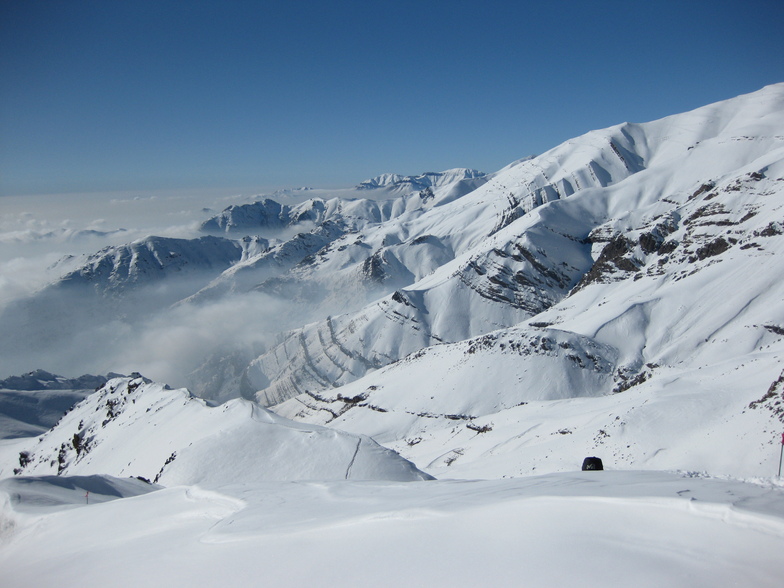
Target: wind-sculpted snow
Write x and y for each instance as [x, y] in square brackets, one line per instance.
[132, 427]
[593, 529]
[31, 494]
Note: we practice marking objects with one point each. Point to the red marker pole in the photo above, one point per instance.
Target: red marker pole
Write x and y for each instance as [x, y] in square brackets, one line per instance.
[782, 453]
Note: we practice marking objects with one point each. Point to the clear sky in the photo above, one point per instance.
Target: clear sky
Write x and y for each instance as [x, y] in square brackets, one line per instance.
[136, 95]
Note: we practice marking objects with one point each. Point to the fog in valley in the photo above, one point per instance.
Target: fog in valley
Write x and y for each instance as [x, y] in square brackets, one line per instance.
[42, 238]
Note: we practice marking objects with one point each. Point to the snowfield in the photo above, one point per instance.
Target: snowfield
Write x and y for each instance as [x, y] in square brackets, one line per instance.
[135, 427]
[396, 384]
[577, 528]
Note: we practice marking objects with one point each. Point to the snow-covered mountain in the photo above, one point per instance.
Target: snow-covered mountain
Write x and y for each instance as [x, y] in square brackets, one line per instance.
[610, 263]
[27, 413]
[673, 314]
[422, 181]
[121, 284]
[32, 403]
[126, 284]
[150, 260]
[619, 296]
[43, 380]
[637, 206]
[132, 427]
[376, 200]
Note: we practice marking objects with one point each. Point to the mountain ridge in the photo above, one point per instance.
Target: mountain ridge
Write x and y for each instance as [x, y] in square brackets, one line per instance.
[594, 273]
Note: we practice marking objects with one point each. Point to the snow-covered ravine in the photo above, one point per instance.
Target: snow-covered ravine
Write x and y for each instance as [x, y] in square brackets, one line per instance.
[604, 529]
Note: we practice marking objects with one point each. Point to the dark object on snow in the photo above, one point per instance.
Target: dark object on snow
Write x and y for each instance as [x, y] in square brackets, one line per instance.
[592, 463]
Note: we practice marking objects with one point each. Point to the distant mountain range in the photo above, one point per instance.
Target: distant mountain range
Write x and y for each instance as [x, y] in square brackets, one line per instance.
[632, 277]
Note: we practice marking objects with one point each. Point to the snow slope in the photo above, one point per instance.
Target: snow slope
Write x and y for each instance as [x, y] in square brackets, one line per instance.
[601, 529]
[500, 407]
[674, 316]
[642, 213]
[619, 296]
[132, 427]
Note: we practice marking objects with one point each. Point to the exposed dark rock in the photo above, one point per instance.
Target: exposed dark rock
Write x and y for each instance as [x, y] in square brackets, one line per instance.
[611, 260]
[702, 189]
[715, 247]
[479, 429]
[650, 243]
[373, 267]
[773, 399]
[771, 230]
[668, 247]
[352, 399]
[400, 298]
[705, 211]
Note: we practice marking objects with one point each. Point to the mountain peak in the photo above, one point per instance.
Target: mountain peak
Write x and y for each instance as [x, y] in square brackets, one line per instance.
[421, 181]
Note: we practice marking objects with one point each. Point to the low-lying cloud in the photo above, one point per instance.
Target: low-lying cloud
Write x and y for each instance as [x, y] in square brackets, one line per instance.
[76, 332]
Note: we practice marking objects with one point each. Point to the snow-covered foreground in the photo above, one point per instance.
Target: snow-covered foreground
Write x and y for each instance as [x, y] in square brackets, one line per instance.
[609, 528]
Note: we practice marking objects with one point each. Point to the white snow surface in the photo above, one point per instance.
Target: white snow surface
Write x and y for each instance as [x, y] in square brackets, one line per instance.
[620, 296]
[637, 236]
[664, 349]
[132, 427]
[603, 529]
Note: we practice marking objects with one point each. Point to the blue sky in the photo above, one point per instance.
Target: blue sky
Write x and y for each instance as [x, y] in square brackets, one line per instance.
[113, 95]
